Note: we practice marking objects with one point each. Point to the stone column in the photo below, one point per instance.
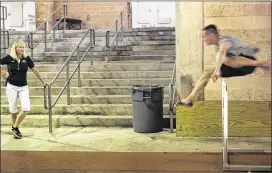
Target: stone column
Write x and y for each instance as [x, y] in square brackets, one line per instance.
[189, 47]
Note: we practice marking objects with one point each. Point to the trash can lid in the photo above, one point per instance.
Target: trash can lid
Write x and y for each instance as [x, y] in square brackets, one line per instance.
[146, 87]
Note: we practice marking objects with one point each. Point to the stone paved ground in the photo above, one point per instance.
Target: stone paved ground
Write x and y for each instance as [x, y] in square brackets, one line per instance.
[98, 139]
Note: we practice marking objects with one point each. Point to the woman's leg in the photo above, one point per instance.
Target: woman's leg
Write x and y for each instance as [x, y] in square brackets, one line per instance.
[12, 96]
[13, 117]
[25, 102]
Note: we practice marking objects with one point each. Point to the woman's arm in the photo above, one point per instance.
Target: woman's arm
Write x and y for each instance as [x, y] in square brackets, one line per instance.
[4, 73]
[37, 73]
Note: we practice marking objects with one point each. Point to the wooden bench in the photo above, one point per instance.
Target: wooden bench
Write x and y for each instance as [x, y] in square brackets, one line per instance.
[70, 22]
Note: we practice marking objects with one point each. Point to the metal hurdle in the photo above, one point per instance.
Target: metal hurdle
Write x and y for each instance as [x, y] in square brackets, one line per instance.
[227, 151]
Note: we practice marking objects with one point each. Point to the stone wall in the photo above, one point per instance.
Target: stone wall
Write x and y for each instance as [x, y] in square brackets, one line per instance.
[251, 21]
[249, 96]
[189, 52]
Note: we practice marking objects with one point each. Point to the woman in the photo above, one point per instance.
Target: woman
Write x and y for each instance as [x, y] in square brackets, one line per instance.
[16, 87]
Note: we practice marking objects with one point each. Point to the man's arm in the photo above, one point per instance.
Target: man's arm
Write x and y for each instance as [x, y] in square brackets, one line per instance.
[221, 54]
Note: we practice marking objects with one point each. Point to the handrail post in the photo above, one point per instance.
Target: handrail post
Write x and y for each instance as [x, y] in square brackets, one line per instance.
[108, 45]
[78, 71]
[50, 108]
[116, 27]
[92, 43]
[45, 41]
[67, 80]
[128, 13]
[122, 27]
[65, 15]
[31, 34]
[4, 34]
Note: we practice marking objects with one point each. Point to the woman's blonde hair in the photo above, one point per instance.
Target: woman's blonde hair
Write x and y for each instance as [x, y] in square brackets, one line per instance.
[13, 49]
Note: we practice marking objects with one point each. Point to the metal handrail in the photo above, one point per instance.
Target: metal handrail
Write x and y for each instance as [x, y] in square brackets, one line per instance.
[5, 13]
[117, 31]
[172, 94]
[7, 46]
[30, 35]
[49, 106]
[4, 17]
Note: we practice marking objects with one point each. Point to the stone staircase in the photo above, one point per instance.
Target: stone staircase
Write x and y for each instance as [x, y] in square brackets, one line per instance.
[145, 56]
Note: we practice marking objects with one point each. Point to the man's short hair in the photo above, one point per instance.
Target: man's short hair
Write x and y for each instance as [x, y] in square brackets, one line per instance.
[211, 29]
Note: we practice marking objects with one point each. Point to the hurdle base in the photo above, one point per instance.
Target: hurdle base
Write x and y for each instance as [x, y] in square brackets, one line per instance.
[229, 167]
[245, 151]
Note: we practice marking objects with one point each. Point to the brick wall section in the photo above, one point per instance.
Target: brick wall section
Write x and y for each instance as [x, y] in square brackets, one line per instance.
[252, 23]
[43, 11]
[97, 15]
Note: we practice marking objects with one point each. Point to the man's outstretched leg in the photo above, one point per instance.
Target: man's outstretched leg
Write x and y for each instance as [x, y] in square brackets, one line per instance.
[200, 84]
[240, 61]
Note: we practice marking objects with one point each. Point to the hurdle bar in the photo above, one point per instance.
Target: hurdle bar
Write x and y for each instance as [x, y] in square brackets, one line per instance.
[227, 151]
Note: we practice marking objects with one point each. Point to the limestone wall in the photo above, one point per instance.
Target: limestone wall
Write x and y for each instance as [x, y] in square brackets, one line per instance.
[250, 21]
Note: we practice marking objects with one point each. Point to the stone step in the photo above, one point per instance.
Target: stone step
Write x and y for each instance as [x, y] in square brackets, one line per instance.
[88, 91]
[150, 33]
[107, 75]
[152, 42]
[151, 52]
[120, 53]
[147, 29]
[105, 82]
[84, 99]
[66, 47]
[153, 47]
[74, 120]
[62, 59]
[106, 67]
[82, 109]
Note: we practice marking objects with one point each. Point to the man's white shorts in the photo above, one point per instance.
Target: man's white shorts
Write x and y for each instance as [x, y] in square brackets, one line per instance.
[15, 92]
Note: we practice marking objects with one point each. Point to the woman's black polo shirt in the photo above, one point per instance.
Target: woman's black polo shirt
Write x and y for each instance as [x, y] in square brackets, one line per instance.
[17, 71]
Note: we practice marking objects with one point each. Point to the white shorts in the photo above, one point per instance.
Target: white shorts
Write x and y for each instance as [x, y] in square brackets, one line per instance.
[15, 92]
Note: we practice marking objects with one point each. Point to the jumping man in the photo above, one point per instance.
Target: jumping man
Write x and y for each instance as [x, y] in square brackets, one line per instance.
[234, 58]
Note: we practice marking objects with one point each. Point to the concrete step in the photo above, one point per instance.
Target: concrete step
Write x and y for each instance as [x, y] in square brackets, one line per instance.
[152, 42]
[126, 37]
[106, 67]
[108, 75]
[151, 52]
[62, 59]
[153, 47]
[82, 109]
[83, 48]
[162, 58]
[152, 29]
[74, 121]
[85, 99]
[106, 82]
[88, 91]
[127, 33]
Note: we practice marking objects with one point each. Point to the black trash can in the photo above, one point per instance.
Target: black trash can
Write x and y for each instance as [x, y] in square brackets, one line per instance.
[147, 108]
